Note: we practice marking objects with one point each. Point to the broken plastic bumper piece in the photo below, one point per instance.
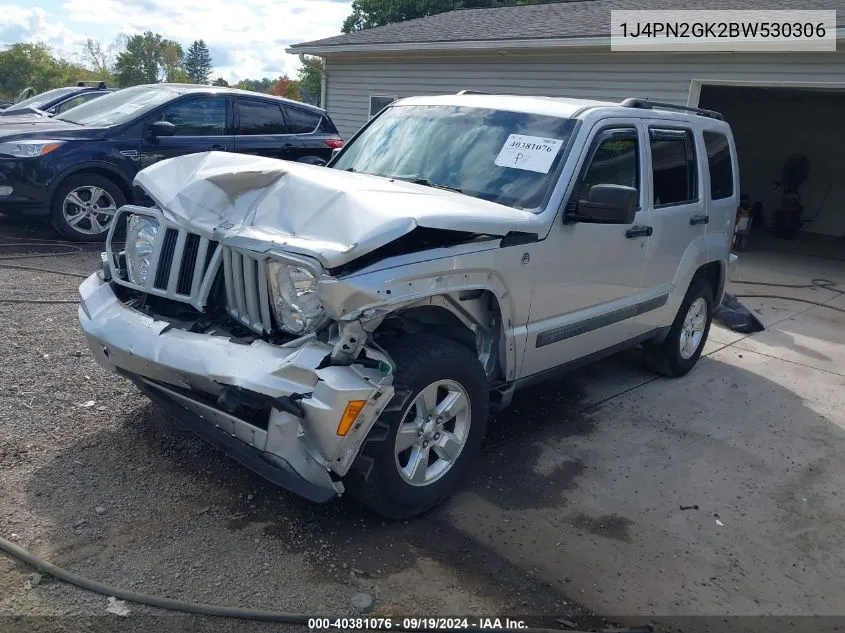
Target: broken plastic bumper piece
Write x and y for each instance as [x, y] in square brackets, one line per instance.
[274, 408]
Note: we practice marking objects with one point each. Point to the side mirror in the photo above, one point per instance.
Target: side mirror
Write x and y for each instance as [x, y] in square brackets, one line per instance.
[162, 128]
[607, 204]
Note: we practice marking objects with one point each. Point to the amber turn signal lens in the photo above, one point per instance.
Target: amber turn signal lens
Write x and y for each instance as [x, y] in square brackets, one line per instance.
[349, 416]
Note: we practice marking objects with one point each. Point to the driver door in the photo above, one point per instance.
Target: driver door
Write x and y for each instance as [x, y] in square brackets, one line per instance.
[588, 277]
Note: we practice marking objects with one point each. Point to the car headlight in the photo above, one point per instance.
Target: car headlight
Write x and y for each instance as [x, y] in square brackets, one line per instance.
[28, 149]
[296, 300]
[140, 238]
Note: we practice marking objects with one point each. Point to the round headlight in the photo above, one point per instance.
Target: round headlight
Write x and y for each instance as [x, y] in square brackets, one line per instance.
[140, 238]
[296, 301]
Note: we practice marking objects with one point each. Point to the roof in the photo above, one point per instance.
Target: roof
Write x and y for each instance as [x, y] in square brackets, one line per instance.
[534, 23]
[206, 89]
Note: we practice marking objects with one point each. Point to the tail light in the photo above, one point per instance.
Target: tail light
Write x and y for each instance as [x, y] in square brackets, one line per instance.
[334, 143]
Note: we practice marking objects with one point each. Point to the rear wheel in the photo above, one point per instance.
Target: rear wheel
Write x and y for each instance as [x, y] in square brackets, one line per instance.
[420, 446]
[682, 347]
[84, 206]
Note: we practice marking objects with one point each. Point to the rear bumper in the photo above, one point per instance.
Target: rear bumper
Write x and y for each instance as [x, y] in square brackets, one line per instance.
[296, 446]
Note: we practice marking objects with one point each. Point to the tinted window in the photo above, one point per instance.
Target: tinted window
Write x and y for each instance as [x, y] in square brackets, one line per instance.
[302, 121]
[327, 126]
[511, 158]
[197, 117]
[261, 117]
[77, 100]
[673, 167]
[719, 162]
[379, 103]
[615, 162]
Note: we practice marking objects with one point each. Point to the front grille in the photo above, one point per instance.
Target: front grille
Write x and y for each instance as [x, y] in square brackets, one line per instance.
[183, 264]
[247, 292]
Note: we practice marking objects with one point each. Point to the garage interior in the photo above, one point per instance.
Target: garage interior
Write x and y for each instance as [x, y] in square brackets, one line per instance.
[771, 125]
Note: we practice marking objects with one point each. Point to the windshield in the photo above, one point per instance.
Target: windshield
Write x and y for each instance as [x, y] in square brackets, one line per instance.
[118, 107]
[506, 157]
[39, 100]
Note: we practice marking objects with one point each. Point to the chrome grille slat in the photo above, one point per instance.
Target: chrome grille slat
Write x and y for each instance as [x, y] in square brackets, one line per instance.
[247, 291]
[183, 264]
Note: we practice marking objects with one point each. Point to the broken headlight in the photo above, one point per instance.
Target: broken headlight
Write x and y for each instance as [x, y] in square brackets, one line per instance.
[296, 300]
[140, 238]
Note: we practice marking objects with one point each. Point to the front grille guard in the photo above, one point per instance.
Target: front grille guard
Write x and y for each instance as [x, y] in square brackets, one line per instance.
[184, 264]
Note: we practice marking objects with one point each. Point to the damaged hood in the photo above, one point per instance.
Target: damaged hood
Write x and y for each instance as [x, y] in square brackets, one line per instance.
[333, 215]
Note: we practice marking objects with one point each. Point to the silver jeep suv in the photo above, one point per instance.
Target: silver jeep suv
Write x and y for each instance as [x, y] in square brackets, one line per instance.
[351, 328]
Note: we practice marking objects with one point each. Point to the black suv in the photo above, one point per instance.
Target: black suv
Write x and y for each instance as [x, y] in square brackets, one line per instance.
[78, 167]
[55, 101]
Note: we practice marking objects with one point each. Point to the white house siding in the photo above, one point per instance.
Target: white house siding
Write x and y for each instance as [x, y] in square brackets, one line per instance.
[613, 76]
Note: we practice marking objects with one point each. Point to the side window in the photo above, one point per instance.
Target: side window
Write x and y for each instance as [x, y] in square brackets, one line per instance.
[260, 117]
[719, 163]
[197, 117]
[614, 162]
[72, 103]
[301, 121]
[379, 103]
[673, 167]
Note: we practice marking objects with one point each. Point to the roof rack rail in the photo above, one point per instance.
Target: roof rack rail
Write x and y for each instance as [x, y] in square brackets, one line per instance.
[101, 85]
[472, 92]
[651, 105]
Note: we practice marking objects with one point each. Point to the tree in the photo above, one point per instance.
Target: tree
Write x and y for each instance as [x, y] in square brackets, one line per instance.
[220, 82]
[311, 81]
[256, 85]
[24, 65]
[149, 58]
[285, 87]
[198, 63]
[369, 13]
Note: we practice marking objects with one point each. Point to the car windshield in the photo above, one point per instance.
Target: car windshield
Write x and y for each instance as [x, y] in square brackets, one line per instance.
[118, 107]
[40, 99]
[511, 158]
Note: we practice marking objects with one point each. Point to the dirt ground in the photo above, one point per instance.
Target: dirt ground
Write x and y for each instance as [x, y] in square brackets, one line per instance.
[574, 506]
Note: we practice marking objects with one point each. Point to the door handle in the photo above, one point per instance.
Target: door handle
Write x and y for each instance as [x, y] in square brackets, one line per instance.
[699, 219]
[639, 231]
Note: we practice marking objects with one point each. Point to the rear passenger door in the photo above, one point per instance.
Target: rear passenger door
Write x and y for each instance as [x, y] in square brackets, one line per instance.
[679, 216]
[262, 130]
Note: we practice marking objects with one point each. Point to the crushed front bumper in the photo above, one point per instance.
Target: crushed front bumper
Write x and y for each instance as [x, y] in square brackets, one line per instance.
[187, 372]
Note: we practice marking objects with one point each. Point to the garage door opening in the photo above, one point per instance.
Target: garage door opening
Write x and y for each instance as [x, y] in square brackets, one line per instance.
[801, 129]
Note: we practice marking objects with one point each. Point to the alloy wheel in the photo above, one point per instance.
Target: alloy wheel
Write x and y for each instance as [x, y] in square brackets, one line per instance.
[89, 210]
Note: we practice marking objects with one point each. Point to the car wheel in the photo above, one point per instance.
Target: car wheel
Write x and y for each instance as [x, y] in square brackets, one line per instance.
[84, 206]
[683, 345]
[418, 449]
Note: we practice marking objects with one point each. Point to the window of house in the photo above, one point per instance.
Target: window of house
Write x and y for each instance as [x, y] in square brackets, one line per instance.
[197, 117]
[615, 161]
[302, 121]
[719, 163]
[260, 117]
[379, 103]
[673, 167]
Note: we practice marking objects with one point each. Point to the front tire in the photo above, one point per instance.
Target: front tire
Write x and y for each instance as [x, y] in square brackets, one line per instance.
[84, 205]
[682, 348]
[419, 448]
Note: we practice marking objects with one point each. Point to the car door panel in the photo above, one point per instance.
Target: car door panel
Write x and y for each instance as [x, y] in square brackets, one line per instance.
[201, 126]
[588, 278]
[263, 131]
[679, 218]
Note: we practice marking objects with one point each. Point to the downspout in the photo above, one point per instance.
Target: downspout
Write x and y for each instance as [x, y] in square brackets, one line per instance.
[321, 68]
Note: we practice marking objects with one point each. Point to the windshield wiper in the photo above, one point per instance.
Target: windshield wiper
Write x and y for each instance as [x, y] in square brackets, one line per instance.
[427, 183]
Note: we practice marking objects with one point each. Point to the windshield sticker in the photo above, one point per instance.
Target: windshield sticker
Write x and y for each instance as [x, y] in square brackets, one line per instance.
[531, 153]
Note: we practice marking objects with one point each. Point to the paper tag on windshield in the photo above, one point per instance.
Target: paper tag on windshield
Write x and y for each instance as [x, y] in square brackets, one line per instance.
[531, 153]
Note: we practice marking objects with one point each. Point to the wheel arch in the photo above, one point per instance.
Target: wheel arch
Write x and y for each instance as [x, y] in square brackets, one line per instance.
[99, 168]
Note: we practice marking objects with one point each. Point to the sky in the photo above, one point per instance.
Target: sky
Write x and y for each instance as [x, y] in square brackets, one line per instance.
[247, 38]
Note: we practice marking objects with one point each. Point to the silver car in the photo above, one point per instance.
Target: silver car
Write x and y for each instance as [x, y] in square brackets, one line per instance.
[351, 328]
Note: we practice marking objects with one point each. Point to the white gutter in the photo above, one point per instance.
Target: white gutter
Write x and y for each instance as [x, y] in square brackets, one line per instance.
[602, 41]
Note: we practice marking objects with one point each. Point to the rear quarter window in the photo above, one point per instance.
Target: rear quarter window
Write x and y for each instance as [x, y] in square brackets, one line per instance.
[302, 121]
[719, 163]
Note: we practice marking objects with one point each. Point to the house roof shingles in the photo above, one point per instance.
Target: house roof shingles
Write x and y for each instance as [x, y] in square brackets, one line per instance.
[584, 18]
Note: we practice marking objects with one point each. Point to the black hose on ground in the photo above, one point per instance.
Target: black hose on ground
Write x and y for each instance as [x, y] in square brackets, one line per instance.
[825, 284]
[200, 608]
[785, 298]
